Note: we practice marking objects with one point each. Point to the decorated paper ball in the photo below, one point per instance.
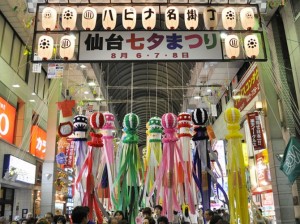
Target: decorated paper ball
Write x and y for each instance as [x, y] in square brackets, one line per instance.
[232, 115]
[80, 123]
[184, 118]
[169, 120]
[131, 121]
[97, 120]
[109, 121]
[199, 116]
[155, 122]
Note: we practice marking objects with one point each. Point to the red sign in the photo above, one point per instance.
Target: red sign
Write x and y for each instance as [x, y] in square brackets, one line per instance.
[7, 121]
[248, 88]
[70, 151]
[38, 142]
[257, 136]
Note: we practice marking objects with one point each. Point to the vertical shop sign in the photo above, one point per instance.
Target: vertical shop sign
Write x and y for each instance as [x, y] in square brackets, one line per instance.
[7, 121]
[257, 136]
[70, 154]
[248, 88]
[262, 170]
[38, 142]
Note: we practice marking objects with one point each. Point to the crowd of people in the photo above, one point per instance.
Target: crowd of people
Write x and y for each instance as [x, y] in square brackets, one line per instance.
[146, 216]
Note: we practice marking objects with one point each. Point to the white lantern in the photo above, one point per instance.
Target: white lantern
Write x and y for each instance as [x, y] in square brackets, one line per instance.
[251, 46]
[149, 17]
[247, 18]
[172, 18]
[232, 46]
[69, 16]
[109, 18]
[129, 18]
[67, 47]
[210, 17]
[229, 18]
[45, 47]
[49, 17]
[191, 18]
[89, 18]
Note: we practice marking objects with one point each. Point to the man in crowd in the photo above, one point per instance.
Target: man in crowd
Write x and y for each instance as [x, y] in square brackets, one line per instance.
[80, 215]
[162, 220]
[157, 211]
[208, 214]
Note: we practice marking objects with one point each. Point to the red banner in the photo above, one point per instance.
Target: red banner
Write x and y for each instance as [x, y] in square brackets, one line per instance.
[38, 142]
[257, 136]
[70, 154]
[262, 170]
[7, 121]
[249, 87]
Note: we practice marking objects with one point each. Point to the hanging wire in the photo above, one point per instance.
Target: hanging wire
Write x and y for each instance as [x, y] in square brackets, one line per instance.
[107, 84]
[156, 89]
[168, 86]
[182, 85]
[132, 86]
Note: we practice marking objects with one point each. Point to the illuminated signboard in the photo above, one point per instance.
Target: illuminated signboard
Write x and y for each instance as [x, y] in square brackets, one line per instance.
[7, 121]
[38, 142]
[15, 169]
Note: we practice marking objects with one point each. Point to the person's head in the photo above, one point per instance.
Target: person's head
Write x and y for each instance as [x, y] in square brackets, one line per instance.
[162, 220]
[61, 220]
[216, 219]
[24, 221]
[148, 220]
[42, 221]
[49, 217]
[119, 215]
[157, 210]
[147, 212]
[14, 222]
[31, 221]
[123, 222]
[208, 214]
[29, 215]
[260, 211]
[113, 220]
[80, 215]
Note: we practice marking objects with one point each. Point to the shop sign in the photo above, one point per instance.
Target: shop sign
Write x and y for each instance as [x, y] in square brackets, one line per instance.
[18, 169]
[55, 71]
[262, 170]
[7, 121]
[70, 154]
[38, 142]
[290, 164]
[248, 88]
[148, 45]
[257, 136]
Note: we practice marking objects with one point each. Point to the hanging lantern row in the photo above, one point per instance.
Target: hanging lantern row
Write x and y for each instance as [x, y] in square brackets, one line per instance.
[129, 14]
[67, 46]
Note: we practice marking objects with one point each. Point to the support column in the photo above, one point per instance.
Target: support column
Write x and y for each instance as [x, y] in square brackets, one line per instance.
[282, 190]
[49, 166]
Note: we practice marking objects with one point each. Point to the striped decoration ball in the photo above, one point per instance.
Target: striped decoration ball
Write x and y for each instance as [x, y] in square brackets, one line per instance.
[97, 120]
[169, 120]
[232, 115]
[199, 116]
[131, 121]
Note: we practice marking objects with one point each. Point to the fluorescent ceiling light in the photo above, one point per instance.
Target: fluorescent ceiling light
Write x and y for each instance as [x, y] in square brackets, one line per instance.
[208, 90]
[223, 35]
[82, 66]
[86, 92]
[91, 83]
[197, 97]
[98, 98]
[33, 94]
[16, 85]
[31, 100]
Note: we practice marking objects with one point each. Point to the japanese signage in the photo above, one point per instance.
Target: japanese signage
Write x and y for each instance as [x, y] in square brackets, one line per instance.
[257, 136]
[70, 154]
[248, 88]
[7, 121]
[38, 142]
[20, 169]
[262, 170]
[139, 45]
[55, 71]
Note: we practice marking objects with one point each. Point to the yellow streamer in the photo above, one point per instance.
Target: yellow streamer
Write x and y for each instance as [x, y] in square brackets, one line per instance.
[237, 186]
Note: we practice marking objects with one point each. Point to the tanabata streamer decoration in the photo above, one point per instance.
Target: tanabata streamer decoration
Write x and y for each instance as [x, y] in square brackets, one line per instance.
[166, 180]
[154, 152]
[89, 169]
[237, 186]
[129, 174]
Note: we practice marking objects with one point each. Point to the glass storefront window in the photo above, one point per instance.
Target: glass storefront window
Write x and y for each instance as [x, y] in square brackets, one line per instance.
[8, 38]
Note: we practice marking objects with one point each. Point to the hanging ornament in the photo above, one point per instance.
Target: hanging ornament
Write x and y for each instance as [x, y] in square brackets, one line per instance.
[45, 47]
[149, 17]
[237, 185]
[210, 17]
[130, 170]
[251, 46]
[247, 18]
[96, 121]
[109, 18]
[172, 18]
[191, 18]
[229, 18]
[69, 17]
[232, 46]
[65, 129]
[49, 17]
[89, 18]
[80, 127]
[129, 18]
[67, 47]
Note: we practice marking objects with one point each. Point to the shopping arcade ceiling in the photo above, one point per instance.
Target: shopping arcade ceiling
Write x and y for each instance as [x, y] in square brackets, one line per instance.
[157, 87]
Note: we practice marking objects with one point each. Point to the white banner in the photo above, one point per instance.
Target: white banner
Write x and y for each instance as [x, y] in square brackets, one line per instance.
[150, 45]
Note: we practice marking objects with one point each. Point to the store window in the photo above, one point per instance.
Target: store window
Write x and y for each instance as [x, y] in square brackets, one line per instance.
[8, 37]
[7, 202]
